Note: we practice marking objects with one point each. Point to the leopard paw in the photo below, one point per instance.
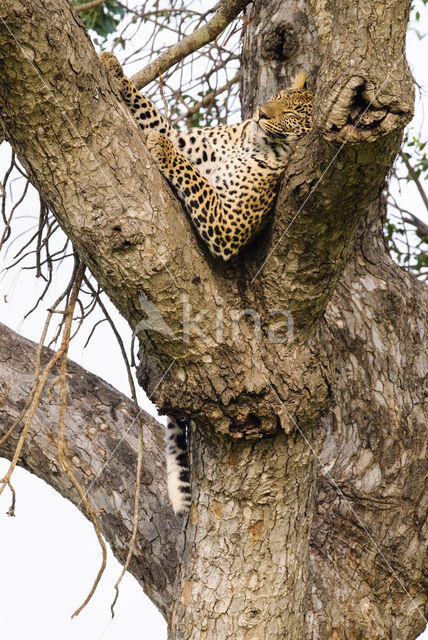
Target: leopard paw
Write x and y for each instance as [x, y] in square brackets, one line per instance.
[160, 146]
[111, 63]
[155, 139]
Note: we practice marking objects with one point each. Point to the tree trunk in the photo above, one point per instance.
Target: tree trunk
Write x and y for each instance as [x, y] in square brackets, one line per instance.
[245, 570]
[308, 454]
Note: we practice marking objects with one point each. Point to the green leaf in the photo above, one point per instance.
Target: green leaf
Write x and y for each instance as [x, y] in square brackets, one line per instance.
[103, 19]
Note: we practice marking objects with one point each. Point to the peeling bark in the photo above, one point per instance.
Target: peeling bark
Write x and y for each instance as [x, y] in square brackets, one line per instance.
[309, 454]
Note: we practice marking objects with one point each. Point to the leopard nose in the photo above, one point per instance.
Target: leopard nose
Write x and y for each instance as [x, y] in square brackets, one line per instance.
[262, 114]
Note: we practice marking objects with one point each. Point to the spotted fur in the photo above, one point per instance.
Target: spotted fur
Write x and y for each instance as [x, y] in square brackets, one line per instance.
[226, 176]
[177, 466]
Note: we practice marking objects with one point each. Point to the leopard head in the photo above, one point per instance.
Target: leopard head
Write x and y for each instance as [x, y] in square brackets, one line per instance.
[288, 115]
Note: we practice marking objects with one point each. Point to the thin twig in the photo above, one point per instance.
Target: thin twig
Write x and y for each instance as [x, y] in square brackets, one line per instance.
[36, 380]
[32, 411]
[6, 231]
[37, 389]
[136, 512]
[243, 27]
[140, 443]
[61, 427]
[415, 179]
[162, 95]
[11, 510]
[202, 36]
[118, 338]
[4, 184]
[207, 99]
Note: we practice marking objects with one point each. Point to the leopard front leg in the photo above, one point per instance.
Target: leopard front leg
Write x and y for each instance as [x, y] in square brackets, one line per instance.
[142, 109]
[200, 199]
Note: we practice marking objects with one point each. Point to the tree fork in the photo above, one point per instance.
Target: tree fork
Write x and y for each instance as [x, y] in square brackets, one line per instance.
[351, 384]
[112, 225]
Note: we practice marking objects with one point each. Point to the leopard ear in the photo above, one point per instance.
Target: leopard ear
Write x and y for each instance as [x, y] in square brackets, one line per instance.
[299, 81]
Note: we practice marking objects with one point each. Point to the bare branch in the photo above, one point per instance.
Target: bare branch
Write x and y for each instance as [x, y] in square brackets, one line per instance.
[415, 179]
[205, 34]
[421, 227]
[89, 5]
[96, 412]
[207, 99]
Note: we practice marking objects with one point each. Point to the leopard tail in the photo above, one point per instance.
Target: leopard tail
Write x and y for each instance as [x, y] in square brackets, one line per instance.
[177, 466]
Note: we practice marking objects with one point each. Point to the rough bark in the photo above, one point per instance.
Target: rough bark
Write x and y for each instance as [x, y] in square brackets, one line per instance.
[289, 533]
[370, 529]
[245, 569]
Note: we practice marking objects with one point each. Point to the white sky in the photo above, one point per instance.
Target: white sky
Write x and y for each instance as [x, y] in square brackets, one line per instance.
[49, 554]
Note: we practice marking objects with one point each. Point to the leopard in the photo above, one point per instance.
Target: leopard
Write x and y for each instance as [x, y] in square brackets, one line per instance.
[227, 177]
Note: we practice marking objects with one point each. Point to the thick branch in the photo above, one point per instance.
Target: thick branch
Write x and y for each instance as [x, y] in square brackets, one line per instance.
[102, 446]
[94, 171]
[421, 228]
